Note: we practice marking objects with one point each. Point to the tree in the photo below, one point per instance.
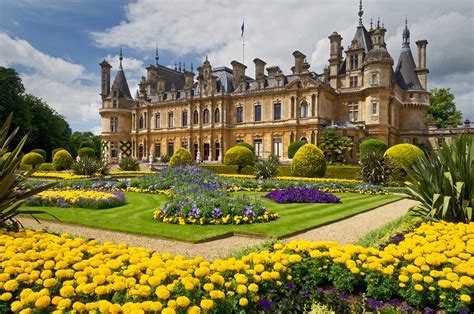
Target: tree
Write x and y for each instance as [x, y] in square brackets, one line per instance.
[442, 110]
[84, 139]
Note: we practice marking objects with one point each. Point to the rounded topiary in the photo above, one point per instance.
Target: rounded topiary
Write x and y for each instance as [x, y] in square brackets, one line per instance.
[181, 157]
[372, 145]
[403, 155]
[293, 148]
[245, 144]
[40, 151]
[55, 151]
[86, 152]
[33, 159]
[62, 160]
[309, 161]
[129, 164]
[239, 156]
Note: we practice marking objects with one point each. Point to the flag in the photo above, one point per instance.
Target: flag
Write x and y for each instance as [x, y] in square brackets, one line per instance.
[242, 29]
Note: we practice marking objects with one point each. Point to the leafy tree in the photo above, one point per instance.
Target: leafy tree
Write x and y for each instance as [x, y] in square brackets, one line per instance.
[80, 140]
[335, 147]
[442, 110]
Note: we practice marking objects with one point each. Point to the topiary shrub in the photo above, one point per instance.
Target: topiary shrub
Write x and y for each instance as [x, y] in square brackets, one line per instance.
[129, 164]
[46, 166]
[33, 159]
[247, 145]
[404, 155]
[293, 148]
[181, 157]
[308, 161]
[240, 156]
[372, 146]
[55, 151]
[40, 151]
[86, 152]
[62, 160]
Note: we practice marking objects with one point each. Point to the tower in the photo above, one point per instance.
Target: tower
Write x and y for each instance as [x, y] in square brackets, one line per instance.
[105, 78]
[335, 58]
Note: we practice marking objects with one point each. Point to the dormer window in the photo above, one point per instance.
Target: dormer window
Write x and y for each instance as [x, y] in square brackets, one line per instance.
[115, 93]
[114, 103]
[354, 60]
[353, 81]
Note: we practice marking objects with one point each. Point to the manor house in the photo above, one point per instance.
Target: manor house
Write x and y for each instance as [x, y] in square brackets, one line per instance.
[359, 94]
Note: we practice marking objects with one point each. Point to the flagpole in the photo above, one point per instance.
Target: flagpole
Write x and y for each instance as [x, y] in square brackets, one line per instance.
[243, 41]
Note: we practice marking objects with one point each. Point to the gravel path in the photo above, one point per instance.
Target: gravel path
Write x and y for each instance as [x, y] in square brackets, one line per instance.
[344, 231]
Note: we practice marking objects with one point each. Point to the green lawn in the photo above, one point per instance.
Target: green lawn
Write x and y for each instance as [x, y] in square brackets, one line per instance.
[136, 217]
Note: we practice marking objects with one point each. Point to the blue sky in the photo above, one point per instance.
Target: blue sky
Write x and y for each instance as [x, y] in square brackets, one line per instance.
[56, 45]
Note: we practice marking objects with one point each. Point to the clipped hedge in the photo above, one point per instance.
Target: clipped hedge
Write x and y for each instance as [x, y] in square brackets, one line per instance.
[46, 166]
[55, 151]
[181, 157]
[404, 155]
[33, 159]
[293, 148]
[62, 160]
[309, 161]
[239, 156]
[246, 145]
[86, 152]
[40, 151]
[372, 145]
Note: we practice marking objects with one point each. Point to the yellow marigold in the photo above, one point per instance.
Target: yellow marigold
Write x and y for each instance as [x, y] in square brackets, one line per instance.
[5, 296]
[418, 287]
[456, 285]
[183, 301]
[43, 301]
[241, 289]
[253, 288]
[417, 277]
[294, 258]
[10, 285]
[207, 304]
[444, 284]
[243, 302]
[67, 291]
[217, 294]
[240, 278]
[208, 287]
[403, 278]
[465, 298]
[162, 292]
[428, 279]
[168, 310]
[466, 281]
[259, 268]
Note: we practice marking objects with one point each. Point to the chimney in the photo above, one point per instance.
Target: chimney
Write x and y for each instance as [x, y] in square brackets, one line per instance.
[238, 70]
[422, 71]
[105, 76]
[299, 61]
[335, 58]
[188, 79]
[259, 68]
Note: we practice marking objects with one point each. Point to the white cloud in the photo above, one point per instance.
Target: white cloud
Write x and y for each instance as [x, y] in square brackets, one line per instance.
[58, 82]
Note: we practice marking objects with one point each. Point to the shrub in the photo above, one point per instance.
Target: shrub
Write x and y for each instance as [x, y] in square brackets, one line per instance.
[181, 157]
[86, 152]
[165, 159]
[444, 182]
[228, 169]
[32, 159]
[53, 153]
[375, 168]
[266, 169]
[293, 148]
[239, 156]
[343, 172]
[42, 152]
[62, 160]
[308, 162]
[129, 164]
[404, 155]
[46, 166]
[372, 145]
[246, 145]
[88, 166]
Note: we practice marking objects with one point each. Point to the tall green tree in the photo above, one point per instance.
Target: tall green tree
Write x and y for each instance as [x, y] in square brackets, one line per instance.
[442, 110]
[79, 140]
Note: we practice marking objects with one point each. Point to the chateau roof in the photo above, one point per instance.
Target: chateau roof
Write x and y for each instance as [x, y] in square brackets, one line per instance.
[363, 37]
[120, 84]
[171, 77]
[405, 73]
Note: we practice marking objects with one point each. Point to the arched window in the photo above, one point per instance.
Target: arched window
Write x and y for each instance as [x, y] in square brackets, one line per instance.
[185, 118]
[140, 122]
[195, 117]
[304, 109]
[304, 139]
[217, 116]
[205, 116]
[157, 121]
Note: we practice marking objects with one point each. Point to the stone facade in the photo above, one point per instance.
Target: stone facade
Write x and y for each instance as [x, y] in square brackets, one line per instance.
[359, 94]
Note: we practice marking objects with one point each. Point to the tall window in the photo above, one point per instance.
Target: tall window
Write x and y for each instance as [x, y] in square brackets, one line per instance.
[218, 150]
[277, 147]
[113, 149]
[184, 118]
[375, 106]
[257, 144]
[184, 144]
[140, 122]
[113, 124]
[353, 112]
[170, 120]
[277, 111]
[205, 116]
[114, 103]
[354, 62]
[258, 113]
[170, 149]
[115, 93]
[375, 78]
[240, 114]
[353, 81]
[195, 117]
[157, 149]
[304, 109]
[157, 121]
[217, 116]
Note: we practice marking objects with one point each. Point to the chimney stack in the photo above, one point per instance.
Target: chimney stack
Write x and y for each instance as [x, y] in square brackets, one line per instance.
[105, 76]
[299, 61]
[422, 71]
[259, 68]
[238, 70]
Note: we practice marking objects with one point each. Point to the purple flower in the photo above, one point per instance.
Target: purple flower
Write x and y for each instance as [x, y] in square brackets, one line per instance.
[302, 195]
[266, 304]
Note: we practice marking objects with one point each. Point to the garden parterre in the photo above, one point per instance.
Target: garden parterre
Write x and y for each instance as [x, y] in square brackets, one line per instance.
[432, 267]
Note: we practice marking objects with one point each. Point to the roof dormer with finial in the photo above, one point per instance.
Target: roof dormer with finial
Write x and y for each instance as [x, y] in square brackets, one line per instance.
[120, 86]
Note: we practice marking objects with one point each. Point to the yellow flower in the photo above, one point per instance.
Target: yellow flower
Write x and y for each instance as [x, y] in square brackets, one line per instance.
[207, 304]
[253, 288]
[10, 285]
[243, 302]
[403, 278]
[208, 287]
[5, 296]
[418, 287]
[241, 289]
[168, 310]
[43, 301]
[417, 277]
[465, 298]
[183, 301]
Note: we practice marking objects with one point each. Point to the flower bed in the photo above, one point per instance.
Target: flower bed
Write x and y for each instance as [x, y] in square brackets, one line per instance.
[93, 199]
[58, 175]
[301, 195]
[431, 268]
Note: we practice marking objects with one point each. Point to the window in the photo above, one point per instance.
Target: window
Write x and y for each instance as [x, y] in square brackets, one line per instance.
[277, 111]
[257, 144]
[218, 150]
[195, 117]
[375, 78]
[184, 118]
[113, 124]
[258, 113]
[304, 139]
[115, 93]
[304, 110]
[170, 149]
[353, 81]
[113, 150]
[354, 62]
[239, 140]
[140, 122]
[277, 147]
[353, 112]
[157, 149]
[240, 114]
[205, 116]
[217, 116]
[170, 120]
[114, 103]
[375, 108]
[157, 121]
[184, 144]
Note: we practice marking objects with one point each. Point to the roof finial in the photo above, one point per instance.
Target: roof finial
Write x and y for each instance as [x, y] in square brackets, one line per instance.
[378, 22]
[206, 56]
[157, 56]
[361, 12]
[179, 69]
[192, 67]
[121, 57]
[184, 66]
[371, 24]
[406, 35]
[175, 66]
